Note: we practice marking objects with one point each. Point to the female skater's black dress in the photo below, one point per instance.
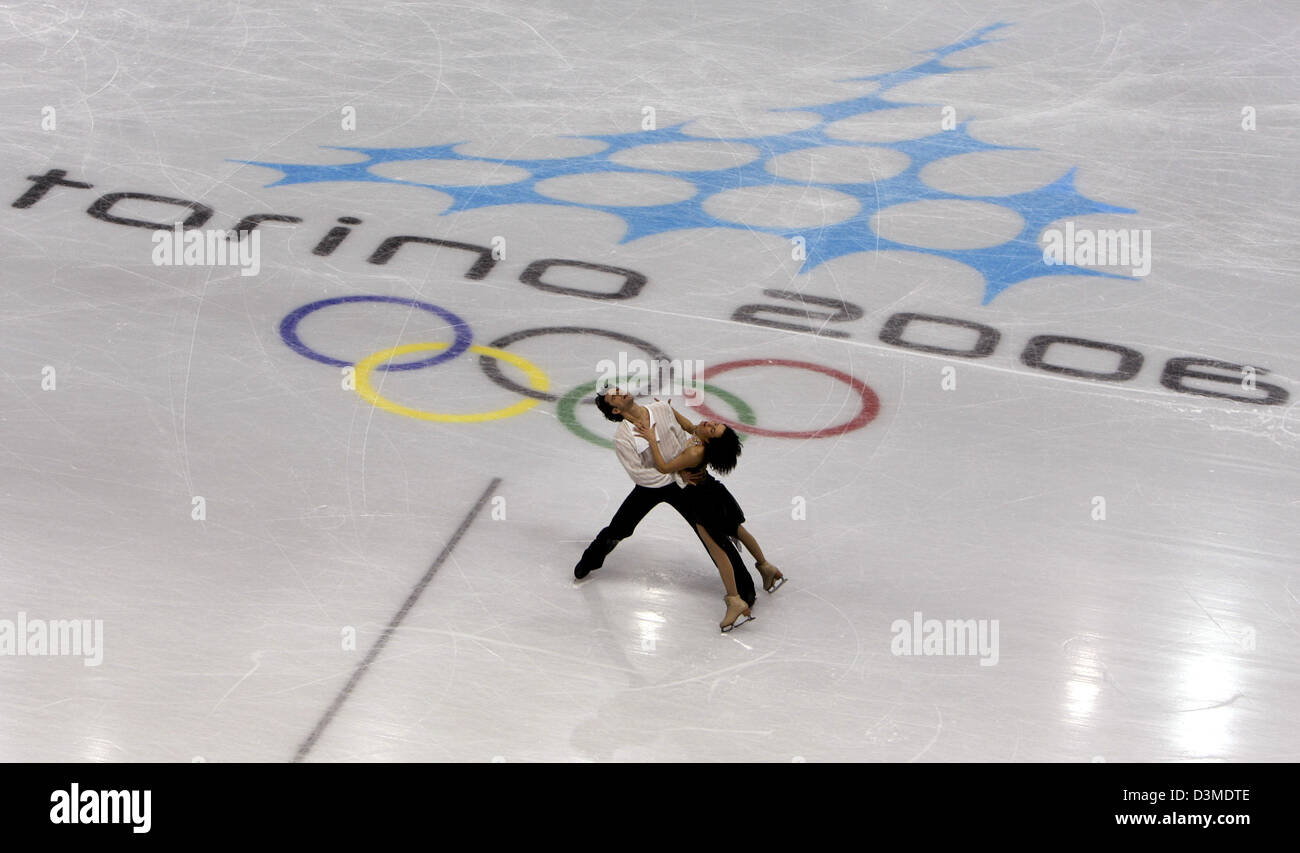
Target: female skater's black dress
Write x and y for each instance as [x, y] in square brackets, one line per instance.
[715, 508]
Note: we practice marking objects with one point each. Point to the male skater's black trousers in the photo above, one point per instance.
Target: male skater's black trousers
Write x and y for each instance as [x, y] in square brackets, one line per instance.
[636, 506]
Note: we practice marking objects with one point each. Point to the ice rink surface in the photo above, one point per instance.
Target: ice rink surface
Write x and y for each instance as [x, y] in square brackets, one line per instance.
[284, 570]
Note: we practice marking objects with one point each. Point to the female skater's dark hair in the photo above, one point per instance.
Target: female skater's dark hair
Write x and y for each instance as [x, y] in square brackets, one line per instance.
[606, 409]
[721, 453]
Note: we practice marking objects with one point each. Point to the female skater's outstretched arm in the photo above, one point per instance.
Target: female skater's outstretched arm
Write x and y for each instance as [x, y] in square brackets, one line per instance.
[683, 422]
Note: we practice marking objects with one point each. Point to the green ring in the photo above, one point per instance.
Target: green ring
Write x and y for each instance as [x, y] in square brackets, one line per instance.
[566, 411]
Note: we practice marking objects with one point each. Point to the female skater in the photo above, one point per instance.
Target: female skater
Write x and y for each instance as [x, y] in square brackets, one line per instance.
[716, 446]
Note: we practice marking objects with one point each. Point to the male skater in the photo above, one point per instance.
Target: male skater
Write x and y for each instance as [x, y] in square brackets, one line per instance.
[652, 488]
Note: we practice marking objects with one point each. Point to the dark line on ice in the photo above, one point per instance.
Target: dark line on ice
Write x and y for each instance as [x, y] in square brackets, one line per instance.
[394, 623]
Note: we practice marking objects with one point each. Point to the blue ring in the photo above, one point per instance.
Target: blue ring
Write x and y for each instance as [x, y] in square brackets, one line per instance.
[289, 331]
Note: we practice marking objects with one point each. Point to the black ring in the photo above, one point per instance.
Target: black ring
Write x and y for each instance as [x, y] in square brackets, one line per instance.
[494, 373]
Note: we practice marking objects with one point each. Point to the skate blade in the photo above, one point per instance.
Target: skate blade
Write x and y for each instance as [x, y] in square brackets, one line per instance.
[780, 582]
[740, 620]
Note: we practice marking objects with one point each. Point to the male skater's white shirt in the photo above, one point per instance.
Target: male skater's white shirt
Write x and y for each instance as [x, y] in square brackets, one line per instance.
[634, 451]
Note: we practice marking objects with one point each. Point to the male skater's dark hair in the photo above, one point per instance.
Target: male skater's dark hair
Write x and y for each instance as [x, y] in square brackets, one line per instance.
[721, 453]
[606, 409]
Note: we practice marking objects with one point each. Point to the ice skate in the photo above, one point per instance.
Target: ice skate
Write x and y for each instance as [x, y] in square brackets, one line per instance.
[737, 613]
[772, 577]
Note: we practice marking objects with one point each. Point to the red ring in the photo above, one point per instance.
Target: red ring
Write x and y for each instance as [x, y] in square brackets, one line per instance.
[870, 402]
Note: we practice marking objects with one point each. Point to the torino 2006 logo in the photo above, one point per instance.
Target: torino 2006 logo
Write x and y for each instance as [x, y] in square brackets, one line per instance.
[708, 195]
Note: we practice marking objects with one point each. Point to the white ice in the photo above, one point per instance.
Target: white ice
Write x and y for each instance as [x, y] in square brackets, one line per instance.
[1164, 631]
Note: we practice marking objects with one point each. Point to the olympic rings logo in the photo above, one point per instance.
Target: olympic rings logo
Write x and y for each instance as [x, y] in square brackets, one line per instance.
[538, 389]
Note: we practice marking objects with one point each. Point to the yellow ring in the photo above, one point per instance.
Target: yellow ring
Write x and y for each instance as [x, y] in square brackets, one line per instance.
[536, 378]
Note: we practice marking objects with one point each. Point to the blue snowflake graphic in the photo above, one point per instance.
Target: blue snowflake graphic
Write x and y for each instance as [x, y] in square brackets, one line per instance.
[1001, 266]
